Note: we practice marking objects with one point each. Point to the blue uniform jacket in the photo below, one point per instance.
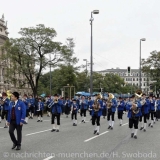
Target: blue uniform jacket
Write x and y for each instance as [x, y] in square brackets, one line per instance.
[158, 105]
[32, 102]
[40, 106]
[84, 104]
[56, 107]
[68, 103]
[90, 103]
[20, 112]
[128, 108]
[100, 110]
[6, 104]
[75, 108]
[121, 106]
[145, 107]
[26, 102]
[114, 105]
[152, 105]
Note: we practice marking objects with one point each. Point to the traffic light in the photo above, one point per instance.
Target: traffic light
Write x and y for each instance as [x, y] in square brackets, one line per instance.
[151, 86]
[101, 90]
[129, 70]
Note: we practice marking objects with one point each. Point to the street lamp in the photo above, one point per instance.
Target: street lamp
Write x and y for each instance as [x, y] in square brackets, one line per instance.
[91, 79]
[140, 65]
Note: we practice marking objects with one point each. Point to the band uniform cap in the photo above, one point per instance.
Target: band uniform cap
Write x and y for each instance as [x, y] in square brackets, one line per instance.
[120, 97]
[16, 94]
[143, 94]
[74, 100]
[133, 96]
[55, 95]
[25, 95]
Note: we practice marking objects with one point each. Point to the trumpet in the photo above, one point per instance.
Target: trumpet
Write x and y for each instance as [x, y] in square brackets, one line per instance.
[55, 100]
[2, 101]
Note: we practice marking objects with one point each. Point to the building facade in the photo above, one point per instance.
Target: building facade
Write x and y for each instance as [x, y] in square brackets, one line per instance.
[131, 78]
[5, 84]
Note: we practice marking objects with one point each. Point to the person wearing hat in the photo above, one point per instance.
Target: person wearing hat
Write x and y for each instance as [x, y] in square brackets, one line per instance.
[31, 106]
[16, 119]
[67, 106]
[145, 111]
[5, 105]
[26, 102]
[74, 110]
[83, 108]
[40, 110]
[48, 109]
[120, 107]
[151, 110]
[56, 111]
[133, 116]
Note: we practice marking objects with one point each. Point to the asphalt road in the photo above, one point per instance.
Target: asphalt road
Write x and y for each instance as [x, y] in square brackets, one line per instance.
[79, 142]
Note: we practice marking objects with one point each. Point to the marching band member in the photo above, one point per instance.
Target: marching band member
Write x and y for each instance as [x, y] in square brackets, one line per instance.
[16, 119]
[90, 104]
[31, 106]
[56, 112]
[151, 110]
[111, 106]
[48, 109]
[104, 109]
[120, 107]
[40, 110]
[26, 102]
[155, 105]
[67, 107]
[74, 110]
[83, 108]
[144, 111]
[96, 113]
[133, 108]
[5, 104]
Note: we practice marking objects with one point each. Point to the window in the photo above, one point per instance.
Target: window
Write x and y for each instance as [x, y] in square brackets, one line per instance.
[144, 79]
[1, 29]
[133, 79]
[144, 84]
[137, 74]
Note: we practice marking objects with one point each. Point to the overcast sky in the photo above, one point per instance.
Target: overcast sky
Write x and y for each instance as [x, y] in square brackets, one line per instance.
[117, 29]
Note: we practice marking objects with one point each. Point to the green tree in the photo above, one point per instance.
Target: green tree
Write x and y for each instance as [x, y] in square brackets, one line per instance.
[32, 53]
[151, 67]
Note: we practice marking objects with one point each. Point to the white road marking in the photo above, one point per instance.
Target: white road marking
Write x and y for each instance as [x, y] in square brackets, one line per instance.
[1, 127]
[48, 158]
[96, 136]
[37, 132]
[124, 124]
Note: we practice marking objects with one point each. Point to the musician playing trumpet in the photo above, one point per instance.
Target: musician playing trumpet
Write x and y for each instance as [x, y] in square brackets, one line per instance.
[145, 111]
[111, 107]
[133, 107]
[96, 113]
[120, 107]
[56, 111]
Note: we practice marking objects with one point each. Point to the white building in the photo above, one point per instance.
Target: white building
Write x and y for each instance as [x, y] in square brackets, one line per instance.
[132, 78]
[4, 82]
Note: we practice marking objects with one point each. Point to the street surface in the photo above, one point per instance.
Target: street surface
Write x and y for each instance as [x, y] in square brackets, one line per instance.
[79, 142]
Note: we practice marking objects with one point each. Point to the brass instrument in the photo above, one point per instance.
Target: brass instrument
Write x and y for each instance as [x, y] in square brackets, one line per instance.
[9, 94]
[55, 100]
[96, 105]
[109, 101]
[52, 103]
[135, 108]
[2, 101]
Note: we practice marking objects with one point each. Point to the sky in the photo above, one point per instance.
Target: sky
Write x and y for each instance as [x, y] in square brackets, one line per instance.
[117, 29]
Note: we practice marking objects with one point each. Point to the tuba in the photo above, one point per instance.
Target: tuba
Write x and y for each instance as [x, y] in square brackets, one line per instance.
[138, 95]
[109, 101]
[96, 105]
